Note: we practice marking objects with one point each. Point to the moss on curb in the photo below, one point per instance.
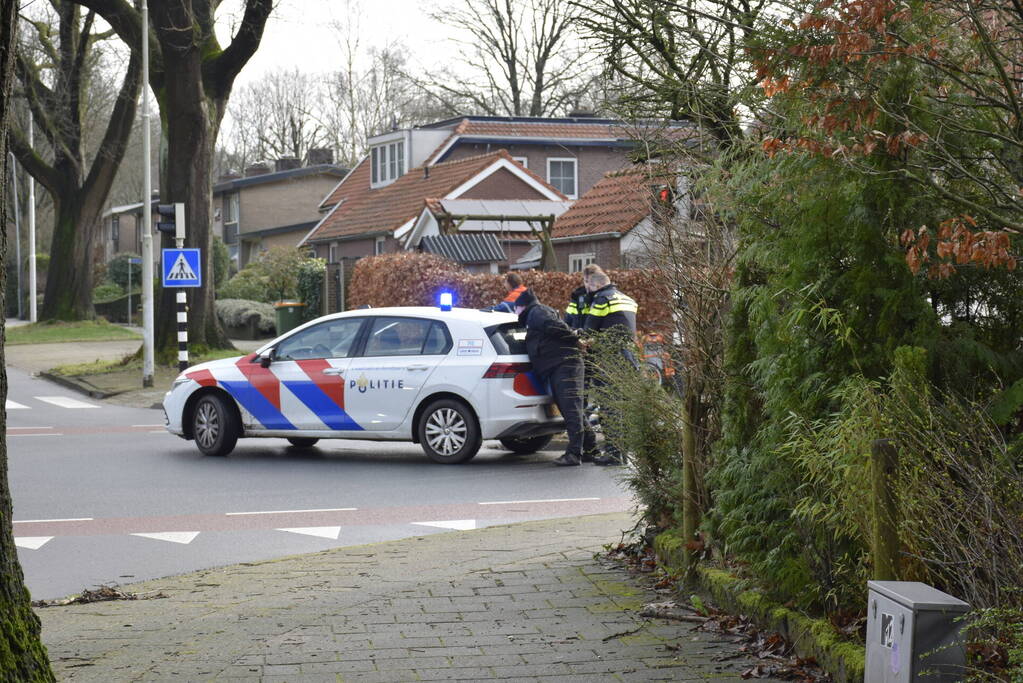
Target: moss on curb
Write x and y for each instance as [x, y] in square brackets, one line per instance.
[843, 659]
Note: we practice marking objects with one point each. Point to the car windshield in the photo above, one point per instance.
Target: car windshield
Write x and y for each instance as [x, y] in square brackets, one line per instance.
[508, 339]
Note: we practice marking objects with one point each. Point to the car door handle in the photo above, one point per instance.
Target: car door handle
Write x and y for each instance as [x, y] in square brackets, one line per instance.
[332, 371]
[418, 366]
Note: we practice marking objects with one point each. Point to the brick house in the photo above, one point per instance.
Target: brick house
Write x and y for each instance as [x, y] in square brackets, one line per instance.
[615, 223]
[121, 232]
[271, 207]
[369, 218]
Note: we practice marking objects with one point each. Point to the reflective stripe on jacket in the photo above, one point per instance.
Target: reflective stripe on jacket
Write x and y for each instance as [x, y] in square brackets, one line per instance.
[610, 308]
[575, 312]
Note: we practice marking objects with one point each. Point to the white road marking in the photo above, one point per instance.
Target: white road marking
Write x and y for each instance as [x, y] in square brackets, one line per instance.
[457, 524]
[546, 500]
[183, 537]
[14, 405]
[45, 434]
[37, 521]
[331, 532]
[65, 402]
[153, 426]
[31, 542]
[290, 512]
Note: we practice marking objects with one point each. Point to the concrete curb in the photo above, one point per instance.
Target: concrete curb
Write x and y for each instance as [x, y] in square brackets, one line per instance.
[843, 659]
[80, 385]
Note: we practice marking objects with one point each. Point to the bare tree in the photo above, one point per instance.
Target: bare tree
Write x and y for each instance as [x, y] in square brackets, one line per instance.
[680, 59]
[274, 117]
[521, 57]
[22, 655]
[55, 77]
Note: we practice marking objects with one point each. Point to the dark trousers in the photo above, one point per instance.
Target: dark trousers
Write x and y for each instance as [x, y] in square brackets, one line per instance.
[566, 382]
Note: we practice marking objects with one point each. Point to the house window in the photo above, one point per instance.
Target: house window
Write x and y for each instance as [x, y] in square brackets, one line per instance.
[561, 173]
[231, 234]
[524, 161]
[231, 208]
[378, 245]
[388, 163]
[332, 254]
[576, 262]
[115, 229]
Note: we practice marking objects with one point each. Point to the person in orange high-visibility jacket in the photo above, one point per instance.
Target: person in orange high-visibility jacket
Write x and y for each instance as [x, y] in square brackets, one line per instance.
[515, 289]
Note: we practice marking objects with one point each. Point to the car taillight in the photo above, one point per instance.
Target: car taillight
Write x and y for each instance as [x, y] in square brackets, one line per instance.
[506, 370]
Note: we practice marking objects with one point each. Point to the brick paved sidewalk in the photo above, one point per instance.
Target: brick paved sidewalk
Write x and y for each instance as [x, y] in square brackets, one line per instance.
[523, 602]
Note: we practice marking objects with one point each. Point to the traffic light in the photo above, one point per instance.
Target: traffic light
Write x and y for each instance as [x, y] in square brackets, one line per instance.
[664, 194]
[176, 214]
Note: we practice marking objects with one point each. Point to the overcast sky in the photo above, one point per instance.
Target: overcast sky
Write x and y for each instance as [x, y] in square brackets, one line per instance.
[301, 33]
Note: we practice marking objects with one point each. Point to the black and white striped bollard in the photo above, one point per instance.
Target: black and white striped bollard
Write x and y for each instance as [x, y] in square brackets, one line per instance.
[182, 331]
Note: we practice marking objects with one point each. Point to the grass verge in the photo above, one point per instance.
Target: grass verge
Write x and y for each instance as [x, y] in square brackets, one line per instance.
[81, 331]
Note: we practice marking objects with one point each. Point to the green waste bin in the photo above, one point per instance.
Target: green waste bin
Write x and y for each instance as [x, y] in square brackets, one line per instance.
[289, 315]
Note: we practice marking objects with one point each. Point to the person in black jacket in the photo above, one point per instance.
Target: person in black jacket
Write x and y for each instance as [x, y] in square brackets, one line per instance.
[575, 312]
[553, 351]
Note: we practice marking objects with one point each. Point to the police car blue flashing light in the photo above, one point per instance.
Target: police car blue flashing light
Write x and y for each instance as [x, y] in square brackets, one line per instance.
[445, 301]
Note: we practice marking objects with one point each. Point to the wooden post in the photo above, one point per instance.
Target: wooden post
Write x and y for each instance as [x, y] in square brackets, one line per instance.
[884, 465]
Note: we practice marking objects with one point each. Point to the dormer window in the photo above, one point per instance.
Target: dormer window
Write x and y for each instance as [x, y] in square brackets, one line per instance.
[388, 163]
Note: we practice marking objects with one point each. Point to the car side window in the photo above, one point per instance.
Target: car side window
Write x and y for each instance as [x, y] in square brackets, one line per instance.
[437, 341]
[329, 339]
[397, 337]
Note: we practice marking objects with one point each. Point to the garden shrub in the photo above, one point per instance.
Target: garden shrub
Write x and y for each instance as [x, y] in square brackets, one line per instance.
[248, 284]
[309, 286]
[118, 267]
[415, 279]
[647, 420]
[221, 262]
[107, 291]
[239, 312]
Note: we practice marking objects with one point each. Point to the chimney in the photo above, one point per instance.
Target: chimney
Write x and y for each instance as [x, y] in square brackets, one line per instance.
[258, 168]
[320, 156]
[230, 174]
[286, 164]
[582, 114]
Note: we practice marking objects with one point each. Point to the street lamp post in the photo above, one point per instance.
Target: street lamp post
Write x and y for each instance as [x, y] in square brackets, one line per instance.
[147, 215]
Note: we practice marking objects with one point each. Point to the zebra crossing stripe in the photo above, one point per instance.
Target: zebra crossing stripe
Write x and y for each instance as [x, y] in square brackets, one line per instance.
[14, 405]
[65, 402]
[31, 542]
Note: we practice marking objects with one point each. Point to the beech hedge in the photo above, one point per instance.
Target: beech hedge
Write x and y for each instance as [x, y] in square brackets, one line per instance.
[415, 279]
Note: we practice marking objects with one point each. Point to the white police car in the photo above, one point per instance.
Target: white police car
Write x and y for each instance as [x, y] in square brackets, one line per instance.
[446, 379]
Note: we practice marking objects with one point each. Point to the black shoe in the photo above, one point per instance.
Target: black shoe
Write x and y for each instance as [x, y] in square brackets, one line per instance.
[589, 456]
[567, 459]
[608, 461]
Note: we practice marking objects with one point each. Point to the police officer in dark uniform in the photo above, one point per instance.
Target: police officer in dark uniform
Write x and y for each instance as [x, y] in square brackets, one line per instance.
[575, 312]
[553, 351]
[614, 314]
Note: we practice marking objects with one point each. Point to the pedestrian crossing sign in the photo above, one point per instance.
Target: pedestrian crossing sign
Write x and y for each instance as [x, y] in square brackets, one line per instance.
[181, 268]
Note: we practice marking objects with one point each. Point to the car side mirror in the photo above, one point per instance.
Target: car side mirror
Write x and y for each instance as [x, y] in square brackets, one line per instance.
[264, 361]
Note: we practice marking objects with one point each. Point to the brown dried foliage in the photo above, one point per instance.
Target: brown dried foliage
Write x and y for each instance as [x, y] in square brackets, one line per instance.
[414, 279]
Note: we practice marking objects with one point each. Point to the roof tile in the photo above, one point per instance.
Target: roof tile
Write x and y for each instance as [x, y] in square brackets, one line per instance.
[364, 210]
[617, 203]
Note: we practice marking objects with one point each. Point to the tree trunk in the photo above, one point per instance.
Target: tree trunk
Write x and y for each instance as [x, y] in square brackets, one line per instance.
[22, 655]
[69, 282]
[190, 133]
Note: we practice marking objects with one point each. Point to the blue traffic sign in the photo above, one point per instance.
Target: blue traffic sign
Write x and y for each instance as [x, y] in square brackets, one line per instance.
[181, 268]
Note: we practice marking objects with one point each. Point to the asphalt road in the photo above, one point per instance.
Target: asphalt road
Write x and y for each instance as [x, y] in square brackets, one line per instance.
[104, 495]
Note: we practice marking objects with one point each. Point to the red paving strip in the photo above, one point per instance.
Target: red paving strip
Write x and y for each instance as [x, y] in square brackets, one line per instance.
[363, 517]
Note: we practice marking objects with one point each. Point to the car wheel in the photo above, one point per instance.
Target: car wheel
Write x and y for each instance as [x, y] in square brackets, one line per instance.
[302, 441]
[215, 425]
[448, 432]
[525, 445]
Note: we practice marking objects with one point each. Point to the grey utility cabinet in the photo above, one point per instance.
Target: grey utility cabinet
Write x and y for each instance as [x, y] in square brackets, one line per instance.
[913, 633]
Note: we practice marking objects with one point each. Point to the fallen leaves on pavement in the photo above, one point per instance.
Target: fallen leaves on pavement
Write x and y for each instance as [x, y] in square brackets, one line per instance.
[101, 594]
